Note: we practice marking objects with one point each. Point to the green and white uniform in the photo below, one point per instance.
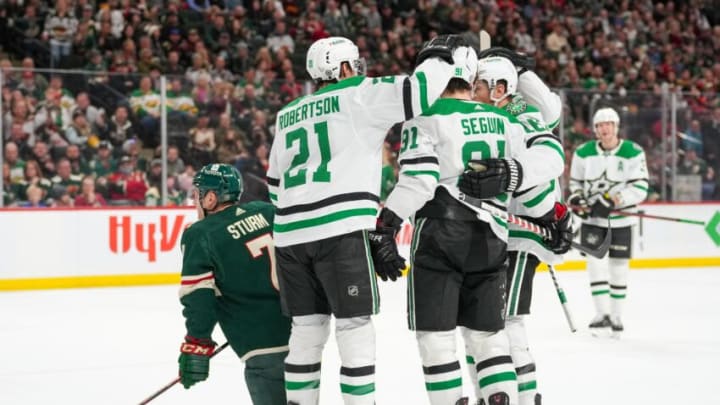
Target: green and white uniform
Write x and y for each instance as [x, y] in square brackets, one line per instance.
[437, 146]
[324, 177]
[326, 160]
[621, 171]
[537, 201]
[228, 277]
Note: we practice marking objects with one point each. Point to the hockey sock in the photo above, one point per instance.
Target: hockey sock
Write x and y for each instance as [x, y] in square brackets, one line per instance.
[470, 361]
[495, 369]
[443, 375]
[599, 287]
[619, 270]
[522, 359]
[356, 343]
[308, 336]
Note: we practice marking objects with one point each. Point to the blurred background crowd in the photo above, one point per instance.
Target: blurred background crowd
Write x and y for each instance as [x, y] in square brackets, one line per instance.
[81, 105]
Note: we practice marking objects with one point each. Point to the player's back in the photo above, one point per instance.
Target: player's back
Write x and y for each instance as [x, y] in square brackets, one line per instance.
[326, 159]
[239, 247]
[464, 130]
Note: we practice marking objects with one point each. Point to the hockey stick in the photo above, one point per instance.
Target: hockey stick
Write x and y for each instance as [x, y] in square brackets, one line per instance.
[563, 299]
[598, 252]
[485, 40]
[177, 379]
[650, 216]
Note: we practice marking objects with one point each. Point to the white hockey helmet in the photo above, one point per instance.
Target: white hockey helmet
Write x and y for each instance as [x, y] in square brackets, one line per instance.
[606, 114]
[495, 68]
[326, 55]
[465, 64]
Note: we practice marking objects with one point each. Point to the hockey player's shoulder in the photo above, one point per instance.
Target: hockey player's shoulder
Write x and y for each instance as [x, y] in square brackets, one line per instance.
[629, 149]
[587, 149]
[447, 106]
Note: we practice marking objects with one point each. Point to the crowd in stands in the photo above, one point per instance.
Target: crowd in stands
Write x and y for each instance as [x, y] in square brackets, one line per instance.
[87, 132]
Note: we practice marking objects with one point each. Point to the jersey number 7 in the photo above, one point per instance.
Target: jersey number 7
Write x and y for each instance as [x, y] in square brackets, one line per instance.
[256, 246]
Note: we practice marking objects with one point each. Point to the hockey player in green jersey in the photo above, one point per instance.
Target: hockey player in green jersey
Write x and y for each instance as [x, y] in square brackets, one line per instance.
[607, 174]
[229, 278]
[458, 253]
[498, 85]
[324, 177]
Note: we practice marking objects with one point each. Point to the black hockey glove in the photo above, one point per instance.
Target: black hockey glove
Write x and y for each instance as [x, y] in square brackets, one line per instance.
[561, 232]
[194, 361]
[602, 207]
[442, 46]
[388, 262]
[579, 205]
[520, 61]
[487, 178]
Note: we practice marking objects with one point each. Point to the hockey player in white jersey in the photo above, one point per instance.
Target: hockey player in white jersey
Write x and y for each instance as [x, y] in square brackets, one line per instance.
[607, 174]
[458, 251]
[324, 178]
[497, 84]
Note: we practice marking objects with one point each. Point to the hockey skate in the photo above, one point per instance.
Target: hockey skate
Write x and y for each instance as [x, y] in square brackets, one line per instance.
[617, 327]
[600, 326]
[462, 401]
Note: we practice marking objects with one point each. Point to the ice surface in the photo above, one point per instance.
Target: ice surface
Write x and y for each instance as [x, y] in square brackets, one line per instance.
[119, 345]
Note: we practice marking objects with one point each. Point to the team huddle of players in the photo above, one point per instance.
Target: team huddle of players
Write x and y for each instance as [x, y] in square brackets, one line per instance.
[476, 134]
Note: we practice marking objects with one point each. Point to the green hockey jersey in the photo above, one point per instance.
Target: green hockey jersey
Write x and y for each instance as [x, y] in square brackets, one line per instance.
[228, 277]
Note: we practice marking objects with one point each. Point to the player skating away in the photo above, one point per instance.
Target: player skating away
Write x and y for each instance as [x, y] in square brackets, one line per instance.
[458, 251]
[324, 178]
[607, 174]
[497, 84]
[228, 278]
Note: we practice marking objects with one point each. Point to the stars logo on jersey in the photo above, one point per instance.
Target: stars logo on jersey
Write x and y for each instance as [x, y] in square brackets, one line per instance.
[517, 106]
[600, 185]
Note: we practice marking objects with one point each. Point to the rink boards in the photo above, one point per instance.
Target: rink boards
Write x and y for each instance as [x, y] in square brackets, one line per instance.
[52, 248]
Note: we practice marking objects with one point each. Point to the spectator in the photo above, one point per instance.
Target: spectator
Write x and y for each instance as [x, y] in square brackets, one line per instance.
[10, 189]
[60, 26]
[65, 181]
[175, 165]
[145, 103]
[103, 164]
[34, 196]
[202, 141]
[88, 197]
[128, 183]
[41, 154]
[693, 138]
[280, 38]
[33, 177]
[15, 164]
[120, 129]
[80, 132]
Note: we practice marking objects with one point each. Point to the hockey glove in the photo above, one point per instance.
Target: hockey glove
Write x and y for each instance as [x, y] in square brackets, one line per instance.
[602, 207]
[386, 259]
[442, 46]
[579, 205]
[560, 230]
[521, 62]
[487, 178]
[195, 360]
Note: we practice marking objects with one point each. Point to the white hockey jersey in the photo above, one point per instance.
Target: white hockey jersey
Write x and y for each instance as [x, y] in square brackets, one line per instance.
[437, 145]
[539, 200]
[621, 171]
[325, 163]
[538, 94]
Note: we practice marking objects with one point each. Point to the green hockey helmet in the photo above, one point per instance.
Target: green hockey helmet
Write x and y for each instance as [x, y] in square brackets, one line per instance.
[225, 180]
